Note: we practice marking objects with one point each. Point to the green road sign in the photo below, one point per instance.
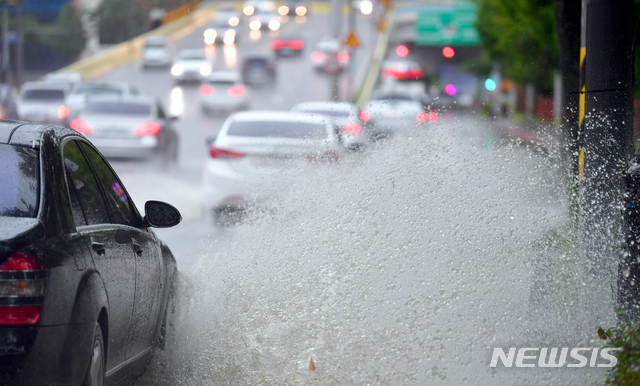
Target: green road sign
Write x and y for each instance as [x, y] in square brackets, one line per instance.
[447, 25]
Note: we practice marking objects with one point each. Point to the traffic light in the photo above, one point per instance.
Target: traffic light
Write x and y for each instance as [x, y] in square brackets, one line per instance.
[402, 51]
[490, 84]
[448, 52]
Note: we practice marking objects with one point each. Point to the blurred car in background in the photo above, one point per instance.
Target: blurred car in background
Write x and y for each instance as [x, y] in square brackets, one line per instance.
[43, 102]
[254, 148]
[191, 65]
[220, 32]
[223, 90]
[8, 95]
[258, 69]
[327, 50]
[389, 112]
[155, 52]
[294, 8]
[344, 116]
[264, 18]
[401, 69]
[287, 45]
[85, 282]
[128, 126]
[228, 13]
[251, 6]
[72, 79]
[77, 98]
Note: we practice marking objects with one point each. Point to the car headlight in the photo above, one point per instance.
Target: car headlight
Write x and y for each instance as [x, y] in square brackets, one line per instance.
[177, 70]
[283, 10]
[274, 25]
[248, 10]
[231, 32]
[255, 25]
[205, 70]
[229, 39]
[301, 10]
[234, 21]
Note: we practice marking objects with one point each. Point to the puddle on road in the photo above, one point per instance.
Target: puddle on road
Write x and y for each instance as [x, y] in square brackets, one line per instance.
[405, 265]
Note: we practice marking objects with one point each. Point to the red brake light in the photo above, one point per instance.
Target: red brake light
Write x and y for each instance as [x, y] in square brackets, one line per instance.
[216, 152]
[421, 116]
[365, 116]
[317, 56]
[147, 128]
[22, 262]
[14, 315]
[296, 44]
[352, 128]
[430, 116]
[63, 112]
[343, 57]
[81, 126]
[207, 90]
[236, 91]
[277, 44]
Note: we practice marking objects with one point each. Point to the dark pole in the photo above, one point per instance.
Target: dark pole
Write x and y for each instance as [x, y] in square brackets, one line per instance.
[19, 45]
[607, 139]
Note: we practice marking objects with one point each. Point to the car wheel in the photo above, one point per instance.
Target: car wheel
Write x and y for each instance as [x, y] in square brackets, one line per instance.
[96, 369]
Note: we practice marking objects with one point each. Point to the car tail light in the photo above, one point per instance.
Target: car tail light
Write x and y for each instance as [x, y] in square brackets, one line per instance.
[343, 57]
[81, 126]
[365, 116]
[277, 44]
[431, 116]
[296, 44]
[147, 128]
[352, 128]
[317, 56]
[22, 281]
[236, 91]
[216, 152]
[63, 112]
[207, 90]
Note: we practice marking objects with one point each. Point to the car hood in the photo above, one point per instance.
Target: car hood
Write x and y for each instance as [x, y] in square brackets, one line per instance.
[193, 65]
[16, 232]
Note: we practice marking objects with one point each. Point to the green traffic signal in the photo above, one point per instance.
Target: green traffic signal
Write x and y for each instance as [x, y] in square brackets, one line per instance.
[490, 84]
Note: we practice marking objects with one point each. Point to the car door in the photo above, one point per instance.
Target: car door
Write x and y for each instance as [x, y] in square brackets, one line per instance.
[142, 244]
[111, 258]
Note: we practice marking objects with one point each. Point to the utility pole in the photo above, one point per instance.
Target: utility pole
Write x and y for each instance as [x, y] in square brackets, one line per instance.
[606, 145]
[19, 45]
[5, 46]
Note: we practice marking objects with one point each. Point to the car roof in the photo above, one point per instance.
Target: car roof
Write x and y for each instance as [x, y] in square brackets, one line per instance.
[326, 105]
[271, 115]
[118, 85]
[190, 51]
[224, 75]
[51, 85]
[122, 98]
[29, 133]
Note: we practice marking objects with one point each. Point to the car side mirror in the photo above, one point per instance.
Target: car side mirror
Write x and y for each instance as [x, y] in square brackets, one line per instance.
[209, 141]
[159, 214]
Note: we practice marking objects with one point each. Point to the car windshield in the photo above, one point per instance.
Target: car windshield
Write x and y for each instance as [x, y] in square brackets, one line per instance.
[193, 56]
[329, 112]
[119, 108]
[43, 94]
[277, 129]
[19, 176]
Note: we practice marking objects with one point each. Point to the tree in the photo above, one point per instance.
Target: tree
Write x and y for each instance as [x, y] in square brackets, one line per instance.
[66, 36]
[119, 20]
[521, 35]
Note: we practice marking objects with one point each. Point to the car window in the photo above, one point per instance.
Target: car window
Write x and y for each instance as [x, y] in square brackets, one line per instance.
[278, 129]
[87, 204]
[119, 108]
[19, 181]
[161, 113]
[95, 90]
[36, 94]
[118, 202]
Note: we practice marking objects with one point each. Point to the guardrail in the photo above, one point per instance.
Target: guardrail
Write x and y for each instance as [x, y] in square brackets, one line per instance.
[120, 54]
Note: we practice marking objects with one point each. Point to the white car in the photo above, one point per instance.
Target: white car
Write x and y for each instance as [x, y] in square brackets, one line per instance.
[43, 102]
[327, 50]
[72, 79]
[344, 116]
[76, 100]
[257, 150]
[223, 90]
[388, 113]
[155, 52]
[191, 65]
[263, 19]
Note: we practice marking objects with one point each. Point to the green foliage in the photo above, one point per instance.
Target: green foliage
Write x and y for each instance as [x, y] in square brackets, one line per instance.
[119, 20]
[627, 371]
[521, 34]
[66, 36]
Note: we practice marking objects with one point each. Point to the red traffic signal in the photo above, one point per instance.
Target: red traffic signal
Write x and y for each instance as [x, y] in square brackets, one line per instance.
[448, 52]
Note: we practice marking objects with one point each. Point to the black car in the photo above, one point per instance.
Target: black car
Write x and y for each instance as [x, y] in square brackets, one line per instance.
[84, 281]
[258, 69]
[287, 45]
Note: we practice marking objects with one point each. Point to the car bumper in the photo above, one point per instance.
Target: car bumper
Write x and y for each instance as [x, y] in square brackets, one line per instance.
[45, 355]
[223, 103]
[139, 147]
[155, 62]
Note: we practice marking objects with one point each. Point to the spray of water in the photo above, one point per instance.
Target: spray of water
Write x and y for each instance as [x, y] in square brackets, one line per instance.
[405, 265]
